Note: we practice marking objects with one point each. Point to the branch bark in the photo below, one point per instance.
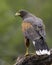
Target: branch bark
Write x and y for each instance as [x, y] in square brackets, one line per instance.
[34, 60]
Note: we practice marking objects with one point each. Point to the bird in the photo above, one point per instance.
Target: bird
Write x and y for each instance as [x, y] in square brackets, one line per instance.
[33, 30]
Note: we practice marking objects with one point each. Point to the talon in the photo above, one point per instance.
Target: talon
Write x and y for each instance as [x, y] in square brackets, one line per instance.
[33, 53]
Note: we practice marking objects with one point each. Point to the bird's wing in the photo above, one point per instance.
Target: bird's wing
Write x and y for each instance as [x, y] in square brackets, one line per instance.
[37, 25]
[40, 27]
[29, 31]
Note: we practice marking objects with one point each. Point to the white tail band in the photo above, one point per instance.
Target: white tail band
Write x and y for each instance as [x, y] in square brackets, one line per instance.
[43, 52]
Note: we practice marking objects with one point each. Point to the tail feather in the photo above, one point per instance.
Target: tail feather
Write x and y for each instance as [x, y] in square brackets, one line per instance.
[41, 47]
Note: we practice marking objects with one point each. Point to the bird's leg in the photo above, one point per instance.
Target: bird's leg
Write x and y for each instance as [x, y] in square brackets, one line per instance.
[27, 46]
[27, 52]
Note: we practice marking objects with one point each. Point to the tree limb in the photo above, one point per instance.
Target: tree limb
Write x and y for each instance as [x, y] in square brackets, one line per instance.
[34, 60]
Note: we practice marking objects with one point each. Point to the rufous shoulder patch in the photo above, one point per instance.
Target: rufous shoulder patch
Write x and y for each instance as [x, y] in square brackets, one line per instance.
[25, 26]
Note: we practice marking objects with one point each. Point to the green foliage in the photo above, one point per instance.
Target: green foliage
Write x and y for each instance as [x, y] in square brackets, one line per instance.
[11, 37]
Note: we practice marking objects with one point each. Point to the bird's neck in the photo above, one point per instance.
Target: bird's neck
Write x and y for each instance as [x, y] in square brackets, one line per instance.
[26, 16]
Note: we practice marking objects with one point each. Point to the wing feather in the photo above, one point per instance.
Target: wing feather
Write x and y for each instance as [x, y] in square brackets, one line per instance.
[37, 28]
[40, 28]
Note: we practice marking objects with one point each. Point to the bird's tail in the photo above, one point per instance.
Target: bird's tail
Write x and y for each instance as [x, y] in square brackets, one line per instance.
[41, 47]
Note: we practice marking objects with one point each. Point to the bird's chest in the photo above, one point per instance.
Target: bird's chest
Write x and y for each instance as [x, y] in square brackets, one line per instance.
[26, 26]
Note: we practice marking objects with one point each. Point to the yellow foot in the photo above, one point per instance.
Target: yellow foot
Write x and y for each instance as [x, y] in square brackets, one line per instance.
[33, 53]
[26, 54]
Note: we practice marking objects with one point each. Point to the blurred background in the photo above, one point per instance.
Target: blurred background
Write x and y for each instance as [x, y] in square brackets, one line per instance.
[11, 37]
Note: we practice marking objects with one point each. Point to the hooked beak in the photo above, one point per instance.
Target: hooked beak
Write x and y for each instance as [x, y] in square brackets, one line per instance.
[17, 14]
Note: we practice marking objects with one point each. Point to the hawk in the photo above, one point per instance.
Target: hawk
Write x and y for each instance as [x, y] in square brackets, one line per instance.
[33, 29]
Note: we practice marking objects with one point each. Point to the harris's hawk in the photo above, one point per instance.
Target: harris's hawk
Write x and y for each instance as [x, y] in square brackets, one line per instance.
[34, 30]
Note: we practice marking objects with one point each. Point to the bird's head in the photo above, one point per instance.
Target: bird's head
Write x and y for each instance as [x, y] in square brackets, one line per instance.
[22, 13]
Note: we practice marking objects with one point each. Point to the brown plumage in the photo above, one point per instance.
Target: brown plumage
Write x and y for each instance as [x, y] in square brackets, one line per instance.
[25, 26]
